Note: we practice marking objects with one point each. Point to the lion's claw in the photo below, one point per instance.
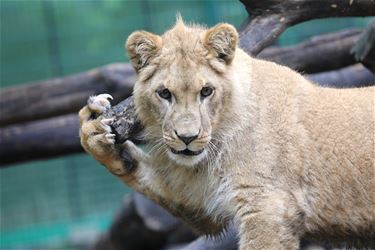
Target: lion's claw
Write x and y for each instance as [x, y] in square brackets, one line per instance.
[98, 104]
[108, 96]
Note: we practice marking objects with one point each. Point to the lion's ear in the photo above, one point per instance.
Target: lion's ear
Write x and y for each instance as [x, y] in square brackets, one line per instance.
[141, 47]
[221, 40]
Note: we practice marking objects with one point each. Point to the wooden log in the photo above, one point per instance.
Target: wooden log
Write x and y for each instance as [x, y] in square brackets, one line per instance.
[258, 32]
[348, 77]
[63, 95]
[269, 18]
[364, 50]
[39, 139]
[319, 53]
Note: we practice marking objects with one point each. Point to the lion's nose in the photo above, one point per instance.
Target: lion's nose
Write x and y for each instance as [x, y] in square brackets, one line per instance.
[186, 138]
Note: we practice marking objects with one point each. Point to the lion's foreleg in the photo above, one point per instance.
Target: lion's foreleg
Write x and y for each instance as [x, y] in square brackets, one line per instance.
[265, 221]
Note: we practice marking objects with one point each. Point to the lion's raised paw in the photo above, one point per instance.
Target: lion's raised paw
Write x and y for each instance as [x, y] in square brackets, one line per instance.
[96, 132]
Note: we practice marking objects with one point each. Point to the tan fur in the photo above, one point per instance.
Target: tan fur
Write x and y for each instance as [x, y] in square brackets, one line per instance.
[283, 158]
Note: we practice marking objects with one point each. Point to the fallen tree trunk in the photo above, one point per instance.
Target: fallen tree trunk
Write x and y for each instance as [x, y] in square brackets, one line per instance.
[63, 95]
[317, 54]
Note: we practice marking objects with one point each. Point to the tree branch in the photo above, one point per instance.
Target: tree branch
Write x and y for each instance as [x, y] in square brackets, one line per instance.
[319, 53]
[269, 18]
[348, 77]
[260, 31]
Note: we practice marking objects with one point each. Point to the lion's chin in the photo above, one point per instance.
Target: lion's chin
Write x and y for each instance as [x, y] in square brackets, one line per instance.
[186, 157]
[187, 152]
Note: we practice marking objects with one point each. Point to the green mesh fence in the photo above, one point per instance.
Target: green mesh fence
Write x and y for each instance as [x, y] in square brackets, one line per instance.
[66, 202]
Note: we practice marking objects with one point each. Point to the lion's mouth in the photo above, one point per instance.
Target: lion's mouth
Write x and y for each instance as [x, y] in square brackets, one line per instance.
[187, 152]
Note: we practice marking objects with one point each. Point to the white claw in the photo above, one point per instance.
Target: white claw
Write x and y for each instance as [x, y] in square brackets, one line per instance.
[106, 96]
[99, 103]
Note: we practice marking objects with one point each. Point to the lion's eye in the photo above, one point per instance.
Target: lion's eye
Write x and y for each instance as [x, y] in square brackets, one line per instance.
[206, 91]
[165, 94]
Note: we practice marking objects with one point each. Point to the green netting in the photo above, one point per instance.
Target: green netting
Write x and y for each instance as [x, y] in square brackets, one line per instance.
[67, 201]
[54, 201]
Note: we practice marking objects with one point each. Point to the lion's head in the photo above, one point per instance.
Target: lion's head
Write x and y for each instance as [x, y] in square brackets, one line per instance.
[183, 85]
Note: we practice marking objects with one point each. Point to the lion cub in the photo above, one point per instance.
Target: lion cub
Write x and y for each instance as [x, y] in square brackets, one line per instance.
[236, 139]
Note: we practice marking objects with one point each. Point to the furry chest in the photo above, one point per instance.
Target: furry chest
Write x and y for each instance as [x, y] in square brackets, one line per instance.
[199, 190]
